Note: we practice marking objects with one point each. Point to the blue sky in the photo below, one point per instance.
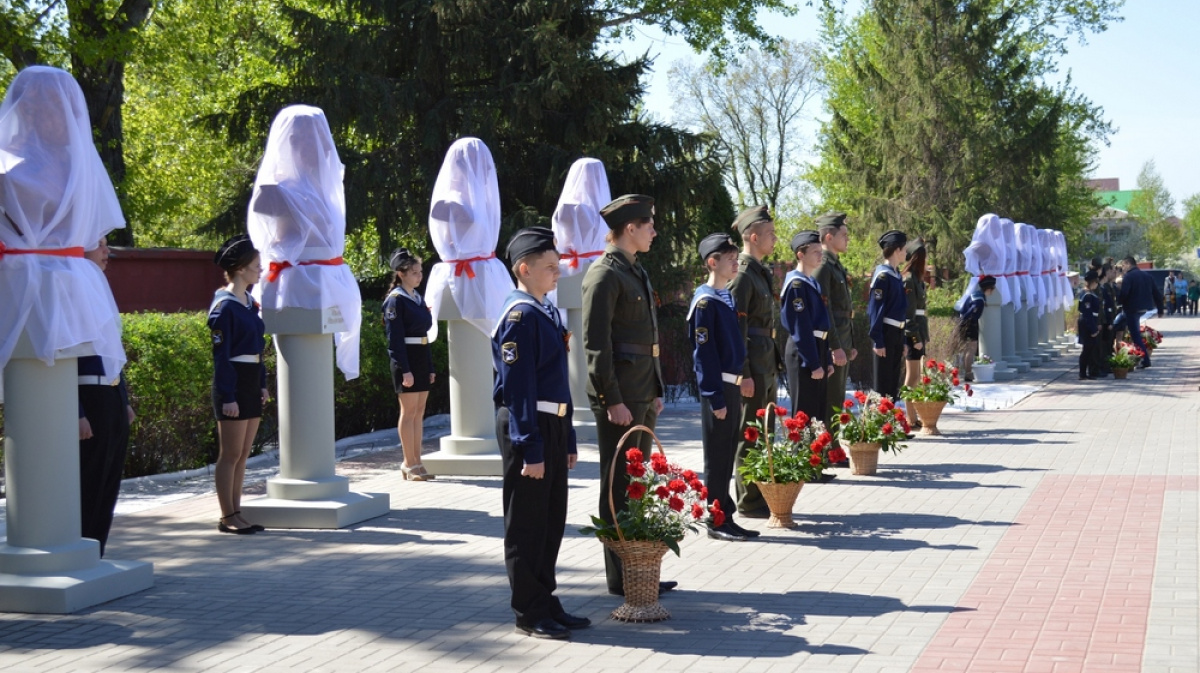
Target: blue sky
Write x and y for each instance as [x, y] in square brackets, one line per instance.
[1138, 70]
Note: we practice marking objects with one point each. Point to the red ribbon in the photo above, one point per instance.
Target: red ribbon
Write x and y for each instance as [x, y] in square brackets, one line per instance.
[1022, 273]
[53, 252]
[275, 268]
[462, 266]
[574, 256]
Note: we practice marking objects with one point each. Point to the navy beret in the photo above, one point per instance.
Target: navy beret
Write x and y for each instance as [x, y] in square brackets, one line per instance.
[235, 253]
[804, 238]
[714, 244]
[529, 241]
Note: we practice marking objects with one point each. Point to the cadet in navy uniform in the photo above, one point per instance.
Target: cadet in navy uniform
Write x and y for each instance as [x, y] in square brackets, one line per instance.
[886, 311]
[1088, 328]
[239, 388]
[537, 440]
[718, 355]
[1108, 315]
[806, 319]
[104, 418]
[967, 335]
[406, 320]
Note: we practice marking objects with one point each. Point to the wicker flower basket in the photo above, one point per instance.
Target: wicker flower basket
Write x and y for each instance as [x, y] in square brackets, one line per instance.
[928, 413]
[864, 458]
[641, 560]
[781, 498]
[1120, 372]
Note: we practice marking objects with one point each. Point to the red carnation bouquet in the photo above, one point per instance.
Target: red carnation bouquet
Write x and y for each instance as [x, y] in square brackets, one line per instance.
[797, 448]
[937, 385]
[874, 418]
[1125, 356]
[1151, 337]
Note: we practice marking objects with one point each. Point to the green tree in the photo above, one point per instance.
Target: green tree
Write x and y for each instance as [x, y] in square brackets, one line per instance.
[1154, 208]
[1191, 220]
[706, 25]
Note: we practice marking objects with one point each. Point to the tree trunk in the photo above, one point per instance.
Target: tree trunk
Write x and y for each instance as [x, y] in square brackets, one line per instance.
[103, 85]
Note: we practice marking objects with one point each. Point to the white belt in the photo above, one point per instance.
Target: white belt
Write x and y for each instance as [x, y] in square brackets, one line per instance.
[819, 334]
[554, 408]
[252, 359]
[735, 379]
[894, 323]
[93, 380]
[417, 341]
[920, 311]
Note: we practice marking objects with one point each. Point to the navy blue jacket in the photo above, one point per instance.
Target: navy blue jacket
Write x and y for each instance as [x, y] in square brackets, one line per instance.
[236, 329]
[717, 344]
[1088, 324]
[803, 312]
[1108, 303]
[404, 316]
[529, 354]
[885, 303]
[969, 314]
[1139, 292]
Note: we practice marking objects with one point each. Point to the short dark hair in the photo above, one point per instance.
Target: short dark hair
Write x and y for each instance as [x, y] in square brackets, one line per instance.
[830, 229]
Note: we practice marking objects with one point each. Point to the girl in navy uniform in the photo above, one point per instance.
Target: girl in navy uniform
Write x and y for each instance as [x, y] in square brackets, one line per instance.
[916, 324]
[806, 319]
[239, 388]
[719, 353]
[537, 440]
[407, 320]
[1088, 328]
[886, 311]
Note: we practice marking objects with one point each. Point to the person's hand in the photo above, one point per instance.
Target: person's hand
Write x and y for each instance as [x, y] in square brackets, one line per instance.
[432, 376]
[853, 354]
[572, 460]
[230, 409]
[266, 395]
[619, 414]
[407, 380]
[129, 414]
[829, 370]
[918, 345]
[658, 406]
[747, 387]
[881, 352]
[839, 357]
[85, 429]
[720, 413]
[534, 471]
[818, 374]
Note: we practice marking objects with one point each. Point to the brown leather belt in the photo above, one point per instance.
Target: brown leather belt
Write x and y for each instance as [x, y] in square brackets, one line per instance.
[636, 349]
[761, 332]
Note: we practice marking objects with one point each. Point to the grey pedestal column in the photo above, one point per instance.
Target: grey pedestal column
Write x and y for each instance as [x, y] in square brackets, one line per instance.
[308, 493]
[1021, 332]
[1032, 323]
[1008, 340]
[570, 297]
[45, 565]
[991, 332]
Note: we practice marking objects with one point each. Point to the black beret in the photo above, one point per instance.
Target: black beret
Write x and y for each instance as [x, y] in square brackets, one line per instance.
[626, 208]
[235, 253]
[804, 238]
[831, 220]
[912, 248]
[1091, 276]
[987, 283]
[529, 241]
[714, 244]
[893, 238]
[750, 217]
[1096, 263]
[399, 255]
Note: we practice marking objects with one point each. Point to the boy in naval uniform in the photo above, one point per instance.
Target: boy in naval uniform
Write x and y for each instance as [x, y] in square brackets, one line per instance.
[537, 441]
[886, 311]
[806, 319]
[1088, 328]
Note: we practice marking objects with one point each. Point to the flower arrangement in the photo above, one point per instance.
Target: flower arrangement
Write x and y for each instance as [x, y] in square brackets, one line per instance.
[937, 385]
[1151, 337]
[664, 502]
[874, 419]
[798, 450]
[1125, 356]
[984, 360]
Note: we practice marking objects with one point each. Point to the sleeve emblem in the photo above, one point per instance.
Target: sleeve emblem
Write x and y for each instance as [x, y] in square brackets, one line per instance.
[701, 336]
[878, 294]
[389, 313]
[514, 316]
[217, 337]
[508, 352]
[798, 304]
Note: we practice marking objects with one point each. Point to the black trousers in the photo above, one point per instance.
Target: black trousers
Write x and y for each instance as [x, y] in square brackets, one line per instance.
[101, 459]
[747, 494]
[535, 517]
[808, 394]
[890, 368]
[1133, 324]
[1089, 356]
[720, 447]
[1106, 342]
[607, 436]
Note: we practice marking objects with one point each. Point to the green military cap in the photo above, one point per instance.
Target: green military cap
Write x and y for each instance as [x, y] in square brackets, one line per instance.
[626, 208]
[750, 217]
[893, 238]
[804, 238]
[831, 220]
[714, 244]
[529, 241]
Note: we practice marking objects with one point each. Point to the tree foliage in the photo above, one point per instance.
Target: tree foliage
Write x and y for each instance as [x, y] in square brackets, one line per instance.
[1153, 207]
[714, 26]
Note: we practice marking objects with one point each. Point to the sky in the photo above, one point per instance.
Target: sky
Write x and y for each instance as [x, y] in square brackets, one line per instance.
[1138, 71]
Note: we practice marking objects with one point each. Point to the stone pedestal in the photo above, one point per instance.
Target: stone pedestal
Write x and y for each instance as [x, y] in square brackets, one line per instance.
[308, 493]
[991, 332]
[1021, 332]
[45, 565]
[471, 448]
[1008, 339]
[1032, 325]
[570, 297]
[1044, 341]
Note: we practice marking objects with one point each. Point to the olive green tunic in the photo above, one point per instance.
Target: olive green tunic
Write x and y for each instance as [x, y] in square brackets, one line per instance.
[835, 288]
[916, 327]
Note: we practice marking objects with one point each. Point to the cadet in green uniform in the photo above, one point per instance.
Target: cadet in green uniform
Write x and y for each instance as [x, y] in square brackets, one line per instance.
[620, 340]
[916, 324]
[753, 291]
[835, 284]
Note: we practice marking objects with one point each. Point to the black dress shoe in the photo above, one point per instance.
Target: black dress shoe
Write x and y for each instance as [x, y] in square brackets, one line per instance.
[826, 477]
[725, 533]
[841, 463]
[744, 532]
[572, 622]
[760, 513]
[545, 628]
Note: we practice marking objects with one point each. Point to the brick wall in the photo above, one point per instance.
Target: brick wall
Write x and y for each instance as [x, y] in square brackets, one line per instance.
[163, 279]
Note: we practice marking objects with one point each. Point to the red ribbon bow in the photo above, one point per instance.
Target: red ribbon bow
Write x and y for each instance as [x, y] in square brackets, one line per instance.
[574, 256]
[275, 268]
[462, 266]
[53, 252]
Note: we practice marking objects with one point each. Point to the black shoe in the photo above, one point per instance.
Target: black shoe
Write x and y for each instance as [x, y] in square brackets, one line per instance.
[571, 622]
[249, 530]
[760, 513]
[844, 463]
[744, 532]
[916, 425]
[1087, 378]
[545, 628]
[725, 533]
[826, 477]
[257, 528]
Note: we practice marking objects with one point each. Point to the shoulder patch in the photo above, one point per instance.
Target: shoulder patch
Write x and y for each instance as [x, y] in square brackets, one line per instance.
[514, 316]
[217, 337]
[703, 303]
[878, 294]
[389, 313]
[701, 336]
[798, 304]
[508, 352]
[795, 283]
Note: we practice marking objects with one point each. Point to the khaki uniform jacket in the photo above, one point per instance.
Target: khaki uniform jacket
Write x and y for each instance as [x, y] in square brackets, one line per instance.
[619, 308]
[916, 327]
[835, 285]
[753, 293]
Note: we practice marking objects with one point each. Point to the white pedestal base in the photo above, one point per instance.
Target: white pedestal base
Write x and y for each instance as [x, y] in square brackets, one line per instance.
[465, 465]
[344, 510]
[71, 591]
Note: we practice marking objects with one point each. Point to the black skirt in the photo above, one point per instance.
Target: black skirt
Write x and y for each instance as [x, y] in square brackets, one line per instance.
[419, 363]
[248, 394]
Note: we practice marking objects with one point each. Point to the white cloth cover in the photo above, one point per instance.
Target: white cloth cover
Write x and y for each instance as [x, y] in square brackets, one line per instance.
[1028, 256]
[54, 193]
[1049, 270]
[1009, 231]
[1064, 283]
[985, 256]
[578, 227]
[464, 222]
[297, 215]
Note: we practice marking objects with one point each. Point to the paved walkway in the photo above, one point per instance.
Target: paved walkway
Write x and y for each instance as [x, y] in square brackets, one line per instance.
[1056, 535]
